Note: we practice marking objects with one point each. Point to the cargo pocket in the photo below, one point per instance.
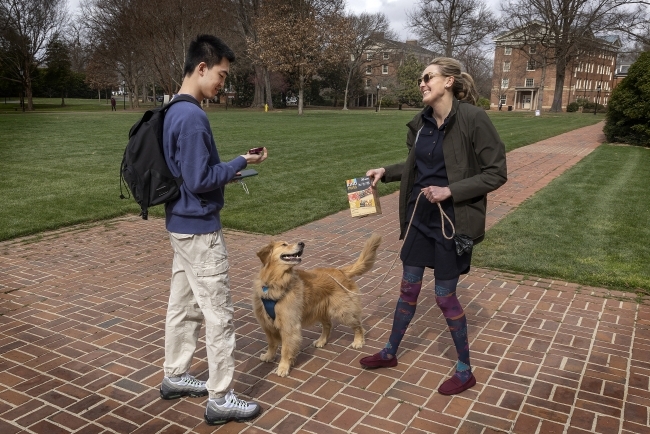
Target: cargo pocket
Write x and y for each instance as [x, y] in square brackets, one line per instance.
[214, 285]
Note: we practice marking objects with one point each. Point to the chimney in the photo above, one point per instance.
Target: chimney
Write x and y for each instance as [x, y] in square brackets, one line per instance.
[412, 42]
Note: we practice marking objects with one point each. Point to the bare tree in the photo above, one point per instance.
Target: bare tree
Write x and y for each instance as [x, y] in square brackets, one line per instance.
[166, 28]
[300, 36]
[562, 28]
[26, 28]
[363, 28]
[100, 76]
[478, 64]
[453, 27]
[247, 13]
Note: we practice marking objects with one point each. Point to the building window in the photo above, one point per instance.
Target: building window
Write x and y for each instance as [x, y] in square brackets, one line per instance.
[384, 69]
[532, 50]
[386, 55]
[505, 82]
[507, 51]
[506, 66]
[368, 82]
[530, 66]
[369, 69]
[530, 82]
[368, 56]
[502, 100]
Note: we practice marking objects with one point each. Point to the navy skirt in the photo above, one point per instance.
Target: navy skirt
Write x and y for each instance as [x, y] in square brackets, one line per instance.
[424, 250]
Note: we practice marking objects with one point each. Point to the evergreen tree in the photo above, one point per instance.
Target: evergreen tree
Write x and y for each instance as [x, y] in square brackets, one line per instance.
[628, 112]
[408, 74]
[58, 76]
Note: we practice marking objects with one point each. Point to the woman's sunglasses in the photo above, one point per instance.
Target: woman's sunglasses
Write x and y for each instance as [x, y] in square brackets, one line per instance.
[426, 77]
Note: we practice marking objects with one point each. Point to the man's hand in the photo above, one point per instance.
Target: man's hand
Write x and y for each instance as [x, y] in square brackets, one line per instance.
[256, 158]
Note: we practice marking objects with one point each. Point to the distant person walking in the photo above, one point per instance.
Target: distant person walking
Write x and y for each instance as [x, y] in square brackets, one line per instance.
[113, 104]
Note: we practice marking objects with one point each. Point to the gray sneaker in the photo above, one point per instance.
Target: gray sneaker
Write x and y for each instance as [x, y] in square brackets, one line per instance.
[233, 409]
[186, 385]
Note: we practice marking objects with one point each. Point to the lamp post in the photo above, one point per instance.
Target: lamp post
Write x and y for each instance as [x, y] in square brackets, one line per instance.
[597, 98]
[377, 106]
[124, 94]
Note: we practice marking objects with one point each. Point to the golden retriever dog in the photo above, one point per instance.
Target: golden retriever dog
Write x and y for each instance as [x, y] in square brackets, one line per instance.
[285, 299]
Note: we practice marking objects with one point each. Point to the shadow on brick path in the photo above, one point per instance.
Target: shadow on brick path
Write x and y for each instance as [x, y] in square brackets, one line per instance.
[82, 330]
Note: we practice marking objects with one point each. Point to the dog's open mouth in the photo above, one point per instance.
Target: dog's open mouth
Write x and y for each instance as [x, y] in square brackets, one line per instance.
[293, 258]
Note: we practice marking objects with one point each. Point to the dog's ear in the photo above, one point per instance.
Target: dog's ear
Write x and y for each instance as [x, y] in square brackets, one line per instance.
[265, 253]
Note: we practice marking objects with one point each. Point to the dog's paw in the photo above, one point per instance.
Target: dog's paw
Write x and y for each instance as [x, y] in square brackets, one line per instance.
[357, 344]
[283, 370]
[320, 343]
[266, 357]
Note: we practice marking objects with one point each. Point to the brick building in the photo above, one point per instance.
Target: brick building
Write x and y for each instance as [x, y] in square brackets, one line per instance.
[523, 80]
[380, 64]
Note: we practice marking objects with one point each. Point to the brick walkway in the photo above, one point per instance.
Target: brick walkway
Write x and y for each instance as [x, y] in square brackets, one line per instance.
[81, 336]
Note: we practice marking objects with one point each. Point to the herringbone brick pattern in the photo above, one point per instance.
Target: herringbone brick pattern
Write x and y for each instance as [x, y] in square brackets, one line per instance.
[82, 316]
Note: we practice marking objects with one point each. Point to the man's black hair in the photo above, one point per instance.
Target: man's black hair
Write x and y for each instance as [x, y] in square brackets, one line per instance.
[208, 49]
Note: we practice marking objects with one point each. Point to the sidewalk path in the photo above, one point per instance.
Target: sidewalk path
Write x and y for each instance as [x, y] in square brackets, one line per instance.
[82, 330]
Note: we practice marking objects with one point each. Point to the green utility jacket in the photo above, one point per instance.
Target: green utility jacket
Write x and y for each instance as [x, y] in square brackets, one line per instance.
[475, 158]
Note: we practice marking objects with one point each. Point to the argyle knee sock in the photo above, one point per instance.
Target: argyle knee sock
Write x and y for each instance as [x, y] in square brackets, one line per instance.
[405, 309]
[457, 322]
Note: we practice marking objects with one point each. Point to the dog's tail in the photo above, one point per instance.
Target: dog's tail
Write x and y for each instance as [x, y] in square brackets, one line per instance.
[366, 259]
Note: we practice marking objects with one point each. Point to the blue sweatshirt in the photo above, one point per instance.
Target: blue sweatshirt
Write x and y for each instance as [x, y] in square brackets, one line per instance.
[191, 152]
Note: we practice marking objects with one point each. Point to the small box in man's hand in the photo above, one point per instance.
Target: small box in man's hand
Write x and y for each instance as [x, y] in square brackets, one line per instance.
[363, 198]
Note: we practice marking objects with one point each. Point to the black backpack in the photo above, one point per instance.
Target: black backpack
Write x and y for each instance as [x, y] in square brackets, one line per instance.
[144, 169]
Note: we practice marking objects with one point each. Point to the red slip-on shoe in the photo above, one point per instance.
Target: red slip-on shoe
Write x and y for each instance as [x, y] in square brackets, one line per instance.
[453, 386]
[376, 361]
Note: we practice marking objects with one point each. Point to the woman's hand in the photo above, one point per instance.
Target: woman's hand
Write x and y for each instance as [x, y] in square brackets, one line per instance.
[375, 175]
[436, 194]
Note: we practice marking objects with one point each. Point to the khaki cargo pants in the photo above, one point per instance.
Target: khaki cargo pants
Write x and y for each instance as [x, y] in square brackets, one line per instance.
[200, 289]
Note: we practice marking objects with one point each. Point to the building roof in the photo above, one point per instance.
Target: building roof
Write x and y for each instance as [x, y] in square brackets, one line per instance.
[622, 69]
[409, 46]
[521, 34]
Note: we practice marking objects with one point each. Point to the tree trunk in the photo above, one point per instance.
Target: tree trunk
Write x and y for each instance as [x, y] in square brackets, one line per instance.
[28, 88]
[301, 92]
[347, 86]
[267, 85]
[559, 85]
[540, 98]
[258, 96]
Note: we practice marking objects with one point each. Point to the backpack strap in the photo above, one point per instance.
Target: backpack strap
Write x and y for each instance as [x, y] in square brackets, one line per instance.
[182, 97]
[187, 98]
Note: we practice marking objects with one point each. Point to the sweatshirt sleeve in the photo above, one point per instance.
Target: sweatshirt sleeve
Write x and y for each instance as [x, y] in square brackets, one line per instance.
[200, 173]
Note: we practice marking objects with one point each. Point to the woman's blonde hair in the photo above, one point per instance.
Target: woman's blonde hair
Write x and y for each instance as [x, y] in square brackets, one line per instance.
[463, 87]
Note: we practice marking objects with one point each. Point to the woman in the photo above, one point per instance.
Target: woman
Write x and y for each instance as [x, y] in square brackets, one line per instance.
[455, 159]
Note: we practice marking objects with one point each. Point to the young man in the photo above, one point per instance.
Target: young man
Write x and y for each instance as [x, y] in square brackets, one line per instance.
[199, 284]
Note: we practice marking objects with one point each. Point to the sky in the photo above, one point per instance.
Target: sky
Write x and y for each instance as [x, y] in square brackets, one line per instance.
[395, 11]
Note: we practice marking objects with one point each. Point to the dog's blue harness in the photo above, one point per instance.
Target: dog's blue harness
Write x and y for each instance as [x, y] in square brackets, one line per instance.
[269, 305]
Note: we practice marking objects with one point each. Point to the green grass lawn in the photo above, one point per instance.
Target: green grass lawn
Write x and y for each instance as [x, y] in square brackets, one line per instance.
[62, 167]
[12, 105]
[591, 225]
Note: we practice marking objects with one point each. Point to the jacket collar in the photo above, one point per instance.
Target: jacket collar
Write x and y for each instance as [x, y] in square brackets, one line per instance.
[417, 122]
